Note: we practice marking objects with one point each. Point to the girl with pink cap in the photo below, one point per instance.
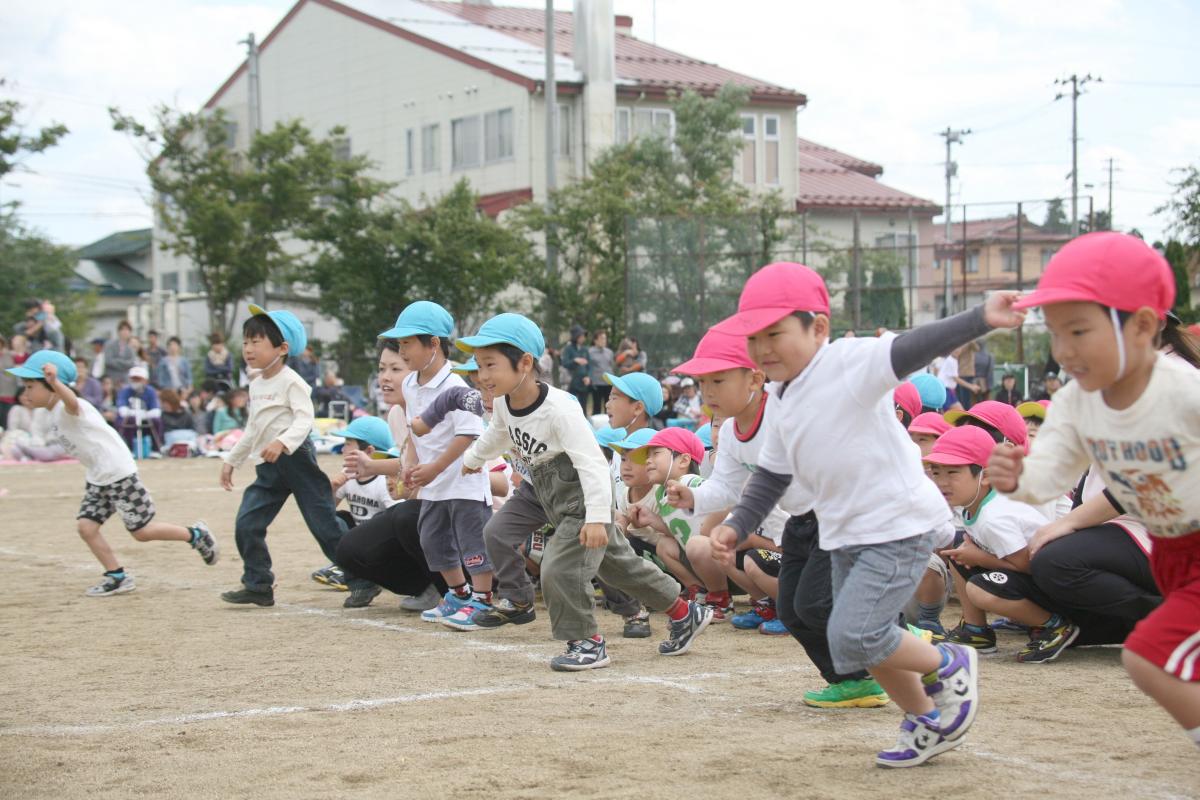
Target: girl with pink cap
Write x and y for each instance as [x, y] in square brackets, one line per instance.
[837, 441]
[1130, 412]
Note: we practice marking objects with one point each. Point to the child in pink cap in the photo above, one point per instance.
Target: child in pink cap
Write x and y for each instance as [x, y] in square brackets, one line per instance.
[1130, 412]
[991, 565]
[880, 517]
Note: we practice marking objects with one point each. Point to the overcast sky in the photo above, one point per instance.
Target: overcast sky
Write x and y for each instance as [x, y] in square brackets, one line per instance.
[881, 79]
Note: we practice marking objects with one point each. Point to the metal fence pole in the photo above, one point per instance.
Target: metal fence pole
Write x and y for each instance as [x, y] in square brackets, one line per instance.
[1020, 276]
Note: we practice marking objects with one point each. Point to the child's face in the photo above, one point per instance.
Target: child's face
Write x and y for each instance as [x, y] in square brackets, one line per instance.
[355, 446]
[392, 371]
[1032, 425]
[497, 375]
[622, 410]
[416, 355]
[19, 343]
[717, 422]
[958, 485]
[1009, 383]
[924, 441]
[784, 349]
[1081, 340]
[238, 400]
[173, 347]
[729, 391]
[36, 394]
[662, 464]
[633, 475]
[260, 353]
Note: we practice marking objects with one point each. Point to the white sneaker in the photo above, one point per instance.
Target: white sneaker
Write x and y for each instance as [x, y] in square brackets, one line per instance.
[919, 741]
[110, 586]
[423, 601]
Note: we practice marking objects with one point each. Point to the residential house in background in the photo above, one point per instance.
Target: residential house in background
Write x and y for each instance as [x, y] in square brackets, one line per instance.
[118, 270]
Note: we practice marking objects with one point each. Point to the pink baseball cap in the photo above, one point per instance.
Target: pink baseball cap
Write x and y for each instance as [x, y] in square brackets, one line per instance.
[716, 352]
[908, 397]
[1000, 416]
[1113, 269]
[962, 446]
[772, 293]
[929, 422]
[678, 440]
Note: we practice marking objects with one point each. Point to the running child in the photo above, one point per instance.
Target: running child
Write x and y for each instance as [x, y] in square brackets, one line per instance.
[837, 439]
[1131, 413]
[992, 564]
[544, 428]
[276, 440]
[113, 485]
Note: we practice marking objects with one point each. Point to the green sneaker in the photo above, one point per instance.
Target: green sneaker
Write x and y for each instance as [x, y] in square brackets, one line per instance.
[866, 693]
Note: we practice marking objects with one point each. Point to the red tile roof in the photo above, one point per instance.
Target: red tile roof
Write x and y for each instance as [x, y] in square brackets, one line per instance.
[825, 184]
[999, 229]
[868, 168]
[651, 68]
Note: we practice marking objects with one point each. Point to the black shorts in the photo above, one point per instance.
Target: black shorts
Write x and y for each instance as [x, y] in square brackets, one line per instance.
[1006, 584]
[127, 496]
[767, 560]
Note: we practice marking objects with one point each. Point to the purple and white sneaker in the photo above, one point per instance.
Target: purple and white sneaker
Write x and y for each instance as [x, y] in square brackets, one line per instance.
[919, 741]
[954, 689]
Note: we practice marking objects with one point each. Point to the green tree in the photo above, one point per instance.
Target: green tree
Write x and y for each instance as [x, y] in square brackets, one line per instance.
[1183, 209]
[884, 301]
[1180, 257]
[15, 142]
[232, 213]
[33, 266]
[1056, 218]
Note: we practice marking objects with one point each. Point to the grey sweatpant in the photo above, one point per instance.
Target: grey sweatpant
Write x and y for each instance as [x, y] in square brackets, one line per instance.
[507, 530]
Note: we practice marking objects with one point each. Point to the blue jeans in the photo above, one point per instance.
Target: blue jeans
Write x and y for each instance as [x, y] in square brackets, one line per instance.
[295, 474]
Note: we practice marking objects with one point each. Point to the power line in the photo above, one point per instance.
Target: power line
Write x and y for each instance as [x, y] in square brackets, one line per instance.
[1156, 84]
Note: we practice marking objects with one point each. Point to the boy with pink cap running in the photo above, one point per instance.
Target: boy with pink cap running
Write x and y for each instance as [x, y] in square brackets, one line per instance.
[1130, 412]
[858, 471]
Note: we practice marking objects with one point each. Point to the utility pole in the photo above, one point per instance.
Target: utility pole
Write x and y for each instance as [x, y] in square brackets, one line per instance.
[1110, 188]
[255, 116]
[1077, 84]
[551, 95]
[952, 137]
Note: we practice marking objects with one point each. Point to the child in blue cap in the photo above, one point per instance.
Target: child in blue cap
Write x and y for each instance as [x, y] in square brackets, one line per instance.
[276, 440]
[113, 485]
[546, 433]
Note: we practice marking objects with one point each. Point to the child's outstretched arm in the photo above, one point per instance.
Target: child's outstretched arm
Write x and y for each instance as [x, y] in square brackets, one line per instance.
[456, 398]
[65, 393]
[914, 349]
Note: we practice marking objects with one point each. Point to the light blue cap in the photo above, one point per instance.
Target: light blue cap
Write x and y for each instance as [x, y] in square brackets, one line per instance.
[372, 430]
[32, 368]
[470, 365]
[705, 434]
[639, 386]
[519, 331]
[634, 441]
[422, 318]
[932, 391]
[606, 435]
[289, 326]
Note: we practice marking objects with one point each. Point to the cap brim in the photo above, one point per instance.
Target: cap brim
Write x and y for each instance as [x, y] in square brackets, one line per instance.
[745, 323]
[342, 433]
[24, 372]
[381, 455]
[949, 460]
[922, 429]
[1032, 409]
[707, 366]
[952, 417]
[1043, 297]
[469, 344]
[405, 332]
[255, 310]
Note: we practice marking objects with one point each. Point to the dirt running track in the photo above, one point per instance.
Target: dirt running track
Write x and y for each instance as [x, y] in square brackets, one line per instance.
[168, 692]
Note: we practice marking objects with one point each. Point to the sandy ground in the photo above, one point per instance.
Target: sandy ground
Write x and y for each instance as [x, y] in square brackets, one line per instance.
[169, 692]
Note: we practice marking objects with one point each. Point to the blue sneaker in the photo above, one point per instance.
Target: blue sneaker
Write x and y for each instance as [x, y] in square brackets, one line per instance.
[773, 627]
[464, 618]
[934, 627]
[449, 606]
[760, 612]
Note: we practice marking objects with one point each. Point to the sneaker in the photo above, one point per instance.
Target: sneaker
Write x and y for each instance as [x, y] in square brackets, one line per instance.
[1047, 644]
[581, 654]
[333, 577]
[449, 606]
[112, 585]
[637, 626]
[955, 689]
[773, 627]
[504, 612]
[924, 634]
[721, 605]
[464, 618]
[204, 543]
[1006, 624]
[684, 631]
[983, 641]
[690, 594]
[918, 742]
[865, 693]
[938, 633]
[245, 597]
[423, 601]
[760, 612]
[362, 596]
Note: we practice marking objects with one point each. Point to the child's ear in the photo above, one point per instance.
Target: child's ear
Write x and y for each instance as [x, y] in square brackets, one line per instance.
[820, 326]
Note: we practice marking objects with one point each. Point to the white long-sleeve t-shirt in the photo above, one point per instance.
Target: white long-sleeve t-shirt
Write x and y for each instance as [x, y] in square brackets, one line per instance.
[281, 408]
[1148, 455]
[554, 424]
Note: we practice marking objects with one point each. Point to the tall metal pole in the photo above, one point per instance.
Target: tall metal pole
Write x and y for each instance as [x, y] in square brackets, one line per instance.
[551, 95]
[952, 137]
[1077, 83]
[1110, 190]
[912, 271]
[1020, 277]
[856, 266]
[253, 95]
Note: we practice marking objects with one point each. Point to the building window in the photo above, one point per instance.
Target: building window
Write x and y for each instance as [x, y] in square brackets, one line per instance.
[654, 121]
[193, 282]
[410, 155]
[898, 242]
[973, 261]
[771, 148]
[231, 132]
[564, 129]
[749, 170]
[431, 148]
[498, 135]
[1008, 260]
[341, 149]
[170, 281]
[622, 129]
[464, 142]
[937, 263]
[1047, 254]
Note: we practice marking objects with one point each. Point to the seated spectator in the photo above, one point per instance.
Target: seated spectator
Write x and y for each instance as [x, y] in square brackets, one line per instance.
[307, 366]
[19, 346]
[173, 370]
[138, 411]
[230, 419]
[175, 416]
[20, 425]
[108, 402]
[196, 407]
[1008, 392]
[8, 383]
[86, 386]
[218, 362]
[329, 392]
[687, 406]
